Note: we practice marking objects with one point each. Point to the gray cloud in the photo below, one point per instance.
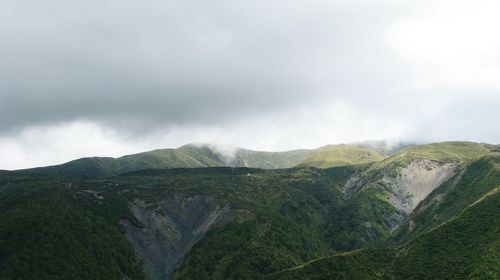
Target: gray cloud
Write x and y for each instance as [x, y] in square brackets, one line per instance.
[421, 70]
[173, 61]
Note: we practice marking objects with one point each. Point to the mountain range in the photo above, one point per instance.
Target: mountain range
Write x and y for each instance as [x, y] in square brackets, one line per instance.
[358, 211]
[206, 155]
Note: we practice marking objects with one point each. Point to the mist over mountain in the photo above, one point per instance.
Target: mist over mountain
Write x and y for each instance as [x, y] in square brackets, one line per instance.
[212, 155]
[207, 140]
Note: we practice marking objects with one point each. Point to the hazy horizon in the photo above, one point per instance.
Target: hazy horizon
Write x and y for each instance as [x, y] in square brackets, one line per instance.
[110, 78]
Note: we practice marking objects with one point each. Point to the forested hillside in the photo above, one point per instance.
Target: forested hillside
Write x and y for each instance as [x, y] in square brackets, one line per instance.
[425, 212]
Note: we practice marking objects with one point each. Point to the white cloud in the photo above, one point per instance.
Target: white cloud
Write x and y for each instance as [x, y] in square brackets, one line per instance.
[451, 45]
[46, 145]
[302, 128]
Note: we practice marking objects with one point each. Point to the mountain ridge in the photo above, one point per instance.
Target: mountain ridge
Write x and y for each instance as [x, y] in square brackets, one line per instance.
[196, 155]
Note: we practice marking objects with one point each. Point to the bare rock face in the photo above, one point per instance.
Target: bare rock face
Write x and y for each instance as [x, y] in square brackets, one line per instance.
[406, 186]
[171, 228]
[416, 181]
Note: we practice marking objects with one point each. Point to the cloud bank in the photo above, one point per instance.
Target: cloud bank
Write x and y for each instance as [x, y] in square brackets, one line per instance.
[113, 77]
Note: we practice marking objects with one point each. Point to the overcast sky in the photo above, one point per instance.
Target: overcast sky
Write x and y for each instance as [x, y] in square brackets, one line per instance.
[101, 77]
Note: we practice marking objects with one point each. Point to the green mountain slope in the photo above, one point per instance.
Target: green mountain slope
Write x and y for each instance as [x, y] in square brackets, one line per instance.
[383, 147]
[383, 195]
[270, 160]
[339, 155]
[193, 156]
[189, 156]
[355, 265]
[445, 152]
[465, 247]
[473, 182]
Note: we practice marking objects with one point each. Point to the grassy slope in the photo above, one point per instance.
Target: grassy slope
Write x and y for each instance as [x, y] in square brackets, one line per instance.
[192, 156]
[383, 147]
[339, 155]
[271, 160]
[443, 152]
[187, 156]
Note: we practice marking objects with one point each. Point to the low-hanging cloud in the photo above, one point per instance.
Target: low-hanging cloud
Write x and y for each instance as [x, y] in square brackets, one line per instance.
[172, 71]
